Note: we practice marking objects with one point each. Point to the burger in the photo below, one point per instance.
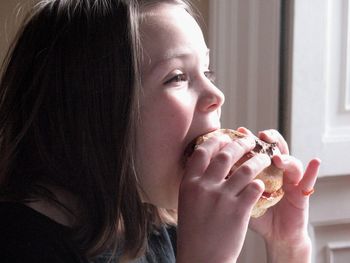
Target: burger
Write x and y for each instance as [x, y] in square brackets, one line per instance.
[271, 176]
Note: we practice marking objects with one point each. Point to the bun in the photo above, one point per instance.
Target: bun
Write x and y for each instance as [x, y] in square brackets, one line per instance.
[271, 176]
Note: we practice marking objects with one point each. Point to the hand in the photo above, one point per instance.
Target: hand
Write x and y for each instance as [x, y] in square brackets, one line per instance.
[284, 226]
[214, 211]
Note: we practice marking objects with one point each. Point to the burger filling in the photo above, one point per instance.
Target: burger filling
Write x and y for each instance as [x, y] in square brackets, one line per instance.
[267, 195]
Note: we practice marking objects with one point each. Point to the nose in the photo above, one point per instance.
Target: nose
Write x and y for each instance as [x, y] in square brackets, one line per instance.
[211, 98]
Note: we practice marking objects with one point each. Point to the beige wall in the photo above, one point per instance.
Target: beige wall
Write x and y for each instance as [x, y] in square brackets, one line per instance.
[11, 15]
[6, 8]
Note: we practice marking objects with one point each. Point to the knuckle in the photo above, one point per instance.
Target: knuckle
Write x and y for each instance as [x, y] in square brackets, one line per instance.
[200, 190]
[246, 169]
[223, 157]
[201, 152]
[255, 188]
[244, 144]
[189, 187]
[193, 185]
[203, 187]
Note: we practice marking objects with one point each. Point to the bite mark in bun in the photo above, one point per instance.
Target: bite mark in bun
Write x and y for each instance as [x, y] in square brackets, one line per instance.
[271, 176]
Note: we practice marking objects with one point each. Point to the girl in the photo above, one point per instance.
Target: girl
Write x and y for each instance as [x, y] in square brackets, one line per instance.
[99, 99]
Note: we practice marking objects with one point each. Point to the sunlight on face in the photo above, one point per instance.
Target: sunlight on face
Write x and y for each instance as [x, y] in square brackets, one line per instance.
[179, 100]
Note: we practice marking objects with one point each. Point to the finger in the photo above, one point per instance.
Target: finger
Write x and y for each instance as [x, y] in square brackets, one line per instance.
[247, 171]
[223, 161]
[245, 131]
[292, 167]
[251, 193]
[273, 136]
[202, 154]
[299, 194]
[308, 181]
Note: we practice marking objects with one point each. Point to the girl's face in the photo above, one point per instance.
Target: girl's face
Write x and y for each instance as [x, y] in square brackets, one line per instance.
[178, 102]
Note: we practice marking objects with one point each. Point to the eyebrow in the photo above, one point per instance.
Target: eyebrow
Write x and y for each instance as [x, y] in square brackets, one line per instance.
[173, 54]
[181, 52]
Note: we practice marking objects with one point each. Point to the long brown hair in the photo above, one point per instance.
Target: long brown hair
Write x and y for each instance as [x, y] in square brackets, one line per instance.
[68, 114]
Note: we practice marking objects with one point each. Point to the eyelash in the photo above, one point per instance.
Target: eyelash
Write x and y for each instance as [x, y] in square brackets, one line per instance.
[183, 77]
[177, 78]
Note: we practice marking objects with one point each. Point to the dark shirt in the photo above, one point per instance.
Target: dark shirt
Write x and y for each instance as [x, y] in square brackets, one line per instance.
[28, 236]
[162, 249]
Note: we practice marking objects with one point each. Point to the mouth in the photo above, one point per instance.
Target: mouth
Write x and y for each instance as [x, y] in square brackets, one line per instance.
[191, 145]
[188, 151]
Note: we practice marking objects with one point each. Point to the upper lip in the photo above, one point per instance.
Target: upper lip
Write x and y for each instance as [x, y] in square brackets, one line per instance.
[205, 132]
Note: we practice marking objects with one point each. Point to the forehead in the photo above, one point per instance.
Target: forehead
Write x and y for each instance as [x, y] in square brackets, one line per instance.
[168, 29]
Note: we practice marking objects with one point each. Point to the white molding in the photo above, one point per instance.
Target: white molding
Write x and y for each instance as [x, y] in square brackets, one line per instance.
[343, 7]
[333, 247]
[329, 220]
[347, 98]
[329, 239]
[335, 135]
[346, 85]
[330, 191]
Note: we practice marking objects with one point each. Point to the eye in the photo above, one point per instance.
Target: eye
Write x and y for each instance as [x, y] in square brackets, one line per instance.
[181, 77]
[210, 75]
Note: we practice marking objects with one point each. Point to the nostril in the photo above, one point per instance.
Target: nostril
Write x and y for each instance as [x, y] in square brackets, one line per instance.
[211, 102]
[211, 97]
[213, 107]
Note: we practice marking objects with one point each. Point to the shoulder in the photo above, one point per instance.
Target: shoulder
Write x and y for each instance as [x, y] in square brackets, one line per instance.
[162, 245]
[161, 248]
[28, 236]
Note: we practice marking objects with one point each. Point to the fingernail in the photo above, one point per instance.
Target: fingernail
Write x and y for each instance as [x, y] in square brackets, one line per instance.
[279, 159]
[318, 160]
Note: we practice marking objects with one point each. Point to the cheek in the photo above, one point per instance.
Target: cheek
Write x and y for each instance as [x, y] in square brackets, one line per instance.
[161, 141]
[170, 113]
